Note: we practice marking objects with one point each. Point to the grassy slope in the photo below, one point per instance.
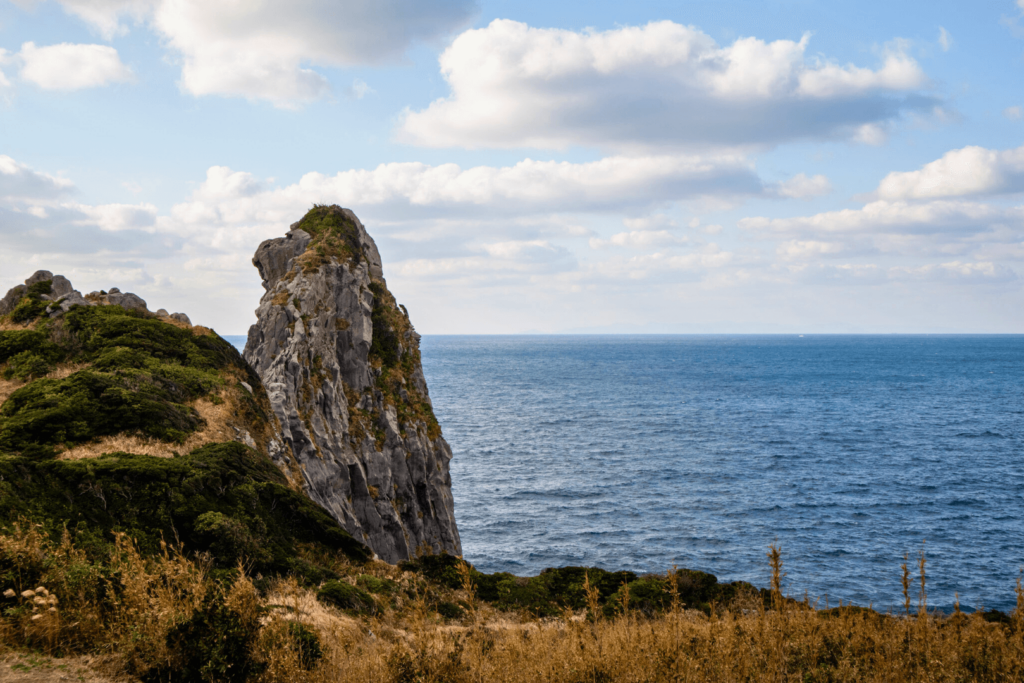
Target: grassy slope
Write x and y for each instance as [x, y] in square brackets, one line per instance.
[141, 376]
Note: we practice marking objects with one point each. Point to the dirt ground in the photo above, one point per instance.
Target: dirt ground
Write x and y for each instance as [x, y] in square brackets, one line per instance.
[22, 668]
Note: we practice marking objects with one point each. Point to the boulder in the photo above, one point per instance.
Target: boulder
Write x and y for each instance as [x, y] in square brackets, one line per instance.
[126, 300]
[14, 295]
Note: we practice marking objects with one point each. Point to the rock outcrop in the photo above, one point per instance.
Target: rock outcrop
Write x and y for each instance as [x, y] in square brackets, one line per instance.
[56, 295]
[340, 362]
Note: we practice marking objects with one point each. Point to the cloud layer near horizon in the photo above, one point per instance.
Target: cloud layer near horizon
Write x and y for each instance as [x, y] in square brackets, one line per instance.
[593, 232]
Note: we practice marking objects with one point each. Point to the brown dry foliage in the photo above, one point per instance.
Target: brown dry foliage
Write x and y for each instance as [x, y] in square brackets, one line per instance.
[127, 622]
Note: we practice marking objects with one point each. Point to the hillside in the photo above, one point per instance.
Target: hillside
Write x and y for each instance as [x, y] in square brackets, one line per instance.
[118, 420]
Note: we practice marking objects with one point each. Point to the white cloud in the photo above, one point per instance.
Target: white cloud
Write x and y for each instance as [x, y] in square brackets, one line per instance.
[960, 172]
[893, 217]
[359, 89]
[1014, 113]
[659, 84]
[5, 58]
[801, 186]
[528, 187]
[266, 50]
[105, 15]
[639, 239]
[945, 40]
[871, 134]
[524, 246]
[955, 271]
[19, 182]
[71, 67]
[118, 217]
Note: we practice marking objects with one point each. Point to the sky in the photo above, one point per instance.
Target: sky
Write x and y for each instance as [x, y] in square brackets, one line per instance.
[779, 166]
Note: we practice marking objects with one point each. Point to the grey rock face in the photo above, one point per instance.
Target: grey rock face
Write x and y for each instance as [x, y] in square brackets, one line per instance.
[60, 287]
[39, 276]
[64, 296]
[14, 295]
[61, 293]
[126, 300]
[355, 414]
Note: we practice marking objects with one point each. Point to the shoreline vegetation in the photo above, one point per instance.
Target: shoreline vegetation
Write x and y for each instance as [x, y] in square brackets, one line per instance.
[171, 616]
[141, 539]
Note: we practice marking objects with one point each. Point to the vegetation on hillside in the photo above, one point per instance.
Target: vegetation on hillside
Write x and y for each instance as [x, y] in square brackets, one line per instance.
[137, 375]
[168, 617]
[103, 372]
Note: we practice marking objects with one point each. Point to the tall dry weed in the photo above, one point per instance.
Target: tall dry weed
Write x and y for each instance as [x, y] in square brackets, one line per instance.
[127, 608]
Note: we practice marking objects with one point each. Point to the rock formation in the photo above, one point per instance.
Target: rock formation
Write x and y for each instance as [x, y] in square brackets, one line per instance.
[56, 295]
[340, 362]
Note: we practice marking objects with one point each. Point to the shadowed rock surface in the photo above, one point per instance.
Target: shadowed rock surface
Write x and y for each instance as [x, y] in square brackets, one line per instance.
[340, 361]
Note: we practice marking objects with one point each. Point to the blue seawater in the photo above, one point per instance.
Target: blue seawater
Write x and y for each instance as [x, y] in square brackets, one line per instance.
[643, 452]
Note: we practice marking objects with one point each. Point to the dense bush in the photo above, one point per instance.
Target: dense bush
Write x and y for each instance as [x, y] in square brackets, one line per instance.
[223, 498]
[346, 596]
[142, 375]
[32, 305]
[216, 644]
[307, 643]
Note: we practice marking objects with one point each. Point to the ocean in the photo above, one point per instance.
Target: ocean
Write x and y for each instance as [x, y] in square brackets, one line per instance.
[644, 452]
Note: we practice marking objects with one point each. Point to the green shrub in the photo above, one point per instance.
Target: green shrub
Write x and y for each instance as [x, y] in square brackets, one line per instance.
[90, 404]
[31, 305]
[14, 342]
[216, 644]
[333, 233]
[307, 643]
[229, 537]
[225, 499]
[694, 590]
[442, 568]
[26, 365]
[28, 309]
[143, 374]
[372, 584]
[346, 596]
[450, 610]
[384, 344]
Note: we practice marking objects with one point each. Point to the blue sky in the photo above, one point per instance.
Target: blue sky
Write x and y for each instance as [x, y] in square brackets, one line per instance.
[695, 167]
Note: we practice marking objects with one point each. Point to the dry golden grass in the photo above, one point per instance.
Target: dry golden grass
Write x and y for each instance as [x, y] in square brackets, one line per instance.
[129, 618]
[37, 668]
[8, 387]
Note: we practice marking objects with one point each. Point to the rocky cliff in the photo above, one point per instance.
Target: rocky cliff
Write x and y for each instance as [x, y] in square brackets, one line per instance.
[340, 362]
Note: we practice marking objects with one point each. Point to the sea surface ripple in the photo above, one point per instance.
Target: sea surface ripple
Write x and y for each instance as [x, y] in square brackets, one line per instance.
[643, 452]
